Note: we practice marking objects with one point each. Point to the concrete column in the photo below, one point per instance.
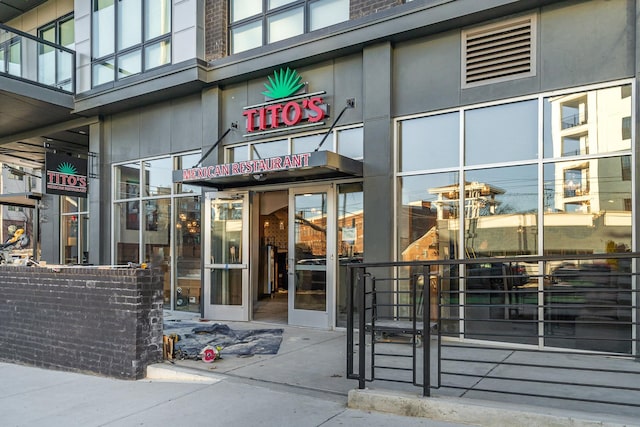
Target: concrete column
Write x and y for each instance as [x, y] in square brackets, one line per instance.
[212, 127]
[378, 153]
[99, 198]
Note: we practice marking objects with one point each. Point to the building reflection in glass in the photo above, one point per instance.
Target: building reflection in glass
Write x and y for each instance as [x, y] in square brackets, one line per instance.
[580, 203]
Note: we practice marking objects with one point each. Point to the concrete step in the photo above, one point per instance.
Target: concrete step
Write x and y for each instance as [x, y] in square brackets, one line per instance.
[168, 372]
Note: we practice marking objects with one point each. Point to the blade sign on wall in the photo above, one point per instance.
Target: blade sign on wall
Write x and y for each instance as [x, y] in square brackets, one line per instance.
[66, 175]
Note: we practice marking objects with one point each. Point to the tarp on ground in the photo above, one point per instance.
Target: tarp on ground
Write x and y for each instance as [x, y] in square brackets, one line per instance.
[193, 337]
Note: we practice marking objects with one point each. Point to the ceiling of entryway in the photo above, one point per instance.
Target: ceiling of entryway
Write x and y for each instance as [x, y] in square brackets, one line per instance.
[10, 9]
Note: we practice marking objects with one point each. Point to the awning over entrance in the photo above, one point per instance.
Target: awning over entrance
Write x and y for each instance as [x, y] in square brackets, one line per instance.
[272, 170]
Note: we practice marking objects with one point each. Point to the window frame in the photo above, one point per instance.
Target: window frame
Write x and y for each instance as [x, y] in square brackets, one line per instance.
[332, 143]
[542, 159]
[141, 47]
[138, 229]
[60, 83]
[81, 214]
[266, 14]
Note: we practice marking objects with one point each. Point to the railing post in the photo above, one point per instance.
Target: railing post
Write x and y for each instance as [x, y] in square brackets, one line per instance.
[350, 346]
[361, 294]
[426, 331]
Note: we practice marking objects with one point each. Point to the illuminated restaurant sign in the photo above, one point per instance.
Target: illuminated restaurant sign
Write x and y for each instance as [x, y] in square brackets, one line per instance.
[288, 105]
[247, 167]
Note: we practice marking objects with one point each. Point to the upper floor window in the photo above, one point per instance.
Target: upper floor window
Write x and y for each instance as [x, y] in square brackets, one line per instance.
[129, 36]
[54, 66]
[254, 23]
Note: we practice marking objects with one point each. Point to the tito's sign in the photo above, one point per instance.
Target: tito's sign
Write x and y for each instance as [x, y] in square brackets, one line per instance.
[288, 105]
[246, 167]
[273, 116]
[66, 175]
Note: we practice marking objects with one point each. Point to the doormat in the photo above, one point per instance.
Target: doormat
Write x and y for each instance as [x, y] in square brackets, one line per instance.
[193, 337]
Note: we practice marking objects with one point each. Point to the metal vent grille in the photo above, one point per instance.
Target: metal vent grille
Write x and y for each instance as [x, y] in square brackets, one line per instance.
[499, 52]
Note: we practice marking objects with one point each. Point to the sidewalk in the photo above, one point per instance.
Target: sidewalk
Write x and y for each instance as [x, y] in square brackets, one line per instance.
[315, 360]
[37, 397]
[303, 384]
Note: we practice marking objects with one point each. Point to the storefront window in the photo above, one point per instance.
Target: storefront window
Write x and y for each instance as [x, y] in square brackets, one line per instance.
[428, 229]
[575, 197]
[586, 212]
[238, 154]
[501, 210]
[187, 237]
[158, 177]
[270, 149]
[146, 230]
[156, 236]
[307, 144]
[351, 143]
[127, 181]
[350, 240]
[73, 230]
[571, 121]
[429, 209]
[501, 133]
[434, 134]
[185, 162]
[602, 215]
[126, 227]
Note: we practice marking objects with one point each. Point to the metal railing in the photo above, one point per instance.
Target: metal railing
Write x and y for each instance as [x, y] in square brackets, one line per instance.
[29, 58]
[560, 328]
[573, 120]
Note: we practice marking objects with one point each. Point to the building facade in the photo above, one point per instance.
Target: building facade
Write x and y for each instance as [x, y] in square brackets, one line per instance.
[251, 149]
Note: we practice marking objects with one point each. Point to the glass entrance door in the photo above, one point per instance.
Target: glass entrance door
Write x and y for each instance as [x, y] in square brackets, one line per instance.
[311, 260]
[226, 275]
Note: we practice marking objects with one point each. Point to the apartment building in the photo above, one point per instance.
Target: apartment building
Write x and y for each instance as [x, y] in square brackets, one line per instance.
[252, 148]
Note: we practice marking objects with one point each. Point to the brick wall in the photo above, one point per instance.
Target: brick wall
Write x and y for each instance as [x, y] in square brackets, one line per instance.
[104, 321]
[216, 17]
[359, 8]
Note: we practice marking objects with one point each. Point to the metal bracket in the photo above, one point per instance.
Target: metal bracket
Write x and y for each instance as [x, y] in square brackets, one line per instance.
[93, 165]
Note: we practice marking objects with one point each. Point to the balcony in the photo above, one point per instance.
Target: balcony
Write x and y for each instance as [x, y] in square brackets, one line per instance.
[37, 83]
[25, 57]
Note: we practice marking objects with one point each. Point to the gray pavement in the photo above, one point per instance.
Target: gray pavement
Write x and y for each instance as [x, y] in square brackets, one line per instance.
[37, 397]
[303, 384]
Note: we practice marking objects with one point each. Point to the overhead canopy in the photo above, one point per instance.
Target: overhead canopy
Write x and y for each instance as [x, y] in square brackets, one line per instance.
[10, 9]
[272, 170]
[21, 200]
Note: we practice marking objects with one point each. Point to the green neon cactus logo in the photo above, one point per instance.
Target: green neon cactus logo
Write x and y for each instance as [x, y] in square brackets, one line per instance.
[283, 84]
[67, 168]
